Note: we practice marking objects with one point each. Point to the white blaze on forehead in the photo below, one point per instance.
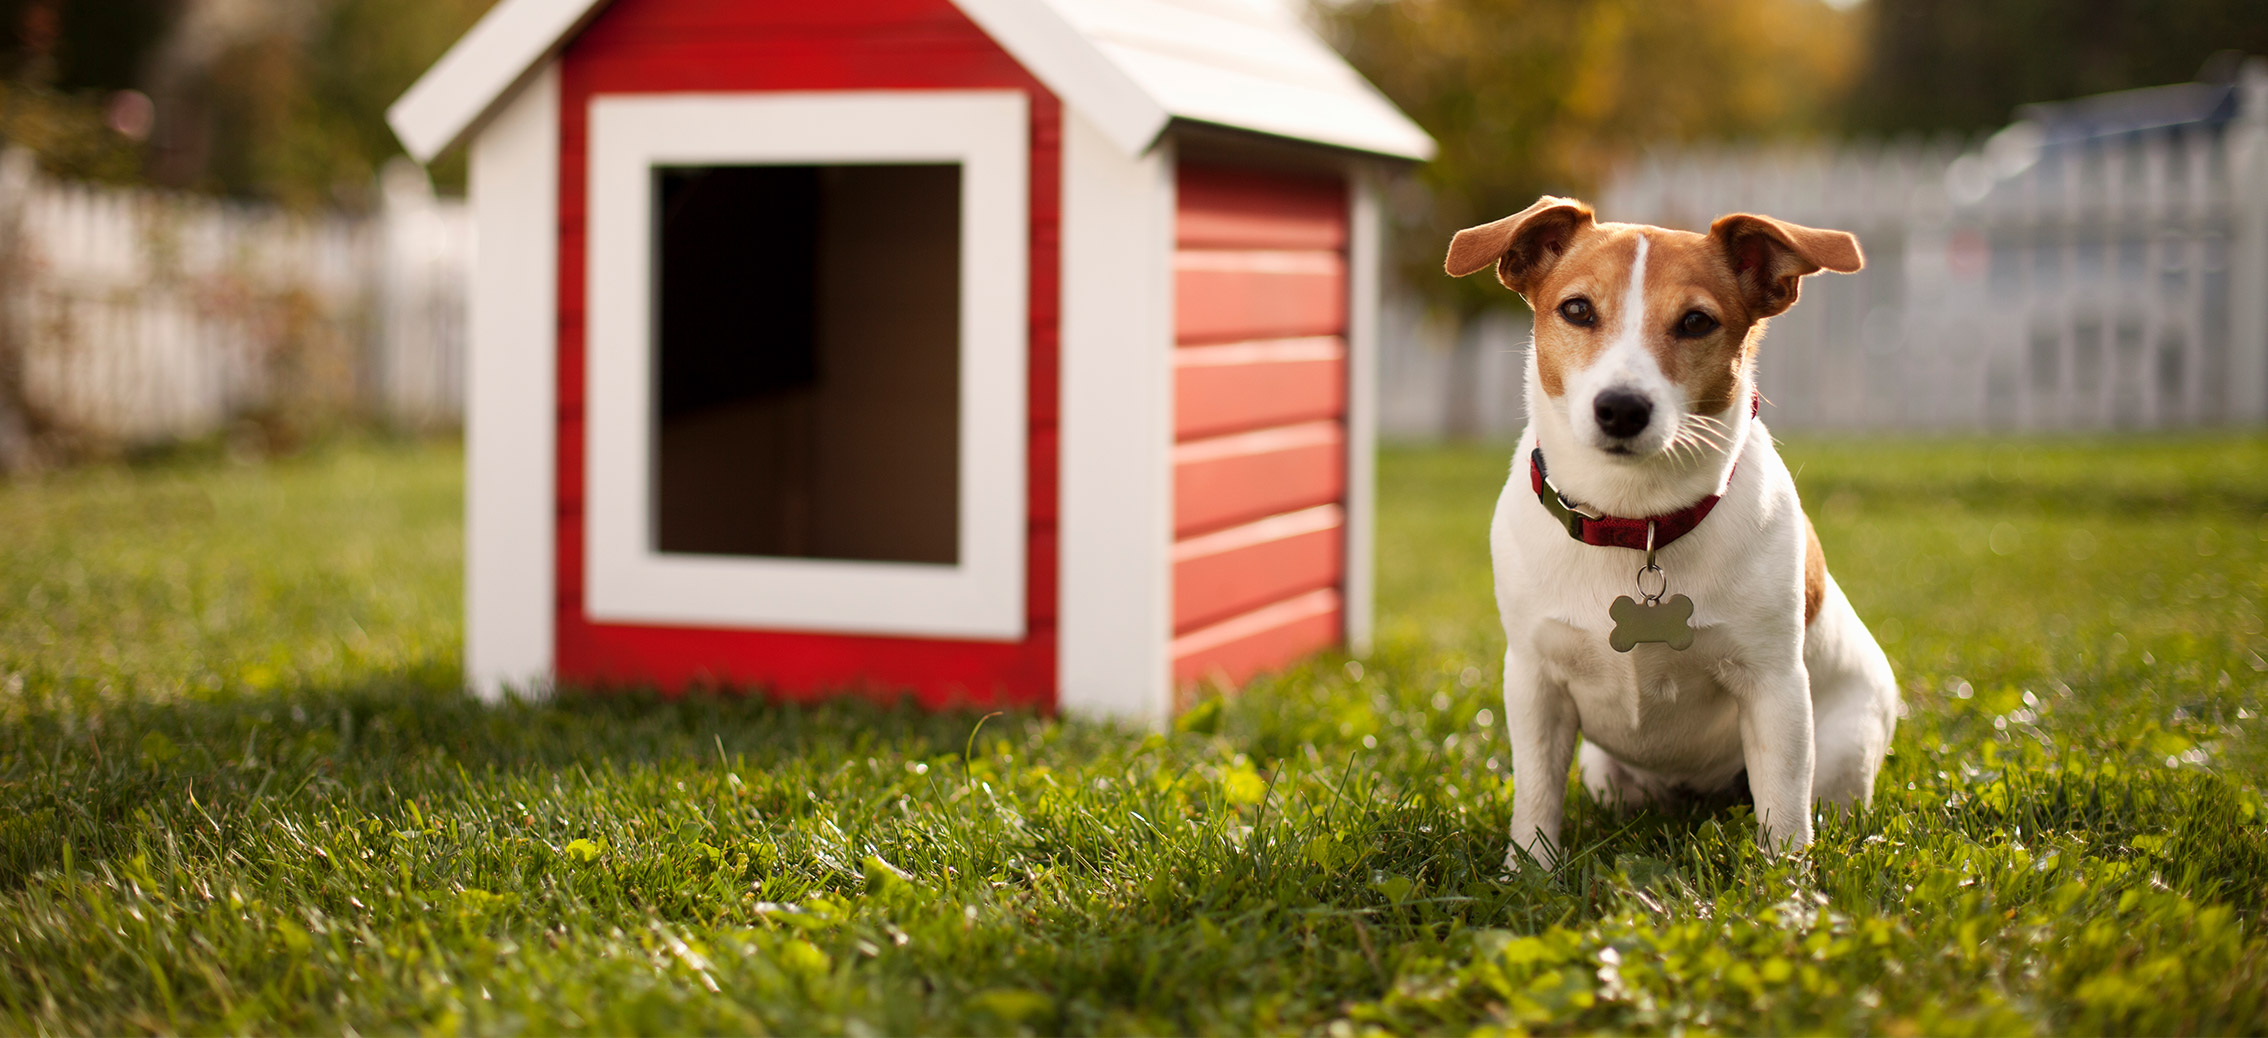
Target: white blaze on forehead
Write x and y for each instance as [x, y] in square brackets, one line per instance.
[1633, 316]
[1626, 361]
[1626, 364]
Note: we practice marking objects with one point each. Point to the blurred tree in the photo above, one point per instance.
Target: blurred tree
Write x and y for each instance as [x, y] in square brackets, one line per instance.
[63, 62]
[1528, 97]
[276, 99]
[369, 52]
[290, 104]
[69, 133]
[75, 45]
[1965, 64]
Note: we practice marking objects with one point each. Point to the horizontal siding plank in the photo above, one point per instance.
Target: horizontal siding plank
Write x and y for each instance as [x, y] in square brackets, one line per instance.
[1245, 567]
[1225, 208]
[803, 666]
[1238, 386]
[1233, 479]
[1238, 648]
[1229, 296]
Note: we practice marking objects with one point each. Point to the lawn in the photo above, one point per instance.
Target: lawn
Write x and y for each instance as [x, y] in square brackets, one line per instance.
[238, 792]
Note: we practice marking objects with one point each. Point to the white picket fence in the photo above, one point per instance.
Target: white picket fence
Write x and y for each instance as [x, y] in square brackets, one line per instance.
[132, 317]
[2120, 282]
[2117, 282]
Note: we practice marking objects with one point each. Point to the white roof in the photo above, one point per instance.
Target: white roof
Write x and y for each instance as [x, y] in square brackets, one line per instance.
[1129, 66]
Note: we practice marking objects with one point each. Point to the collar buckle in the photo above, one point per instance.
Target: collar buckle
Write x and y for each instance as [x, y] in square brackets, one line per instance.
[1572, 513]
[1573, 508]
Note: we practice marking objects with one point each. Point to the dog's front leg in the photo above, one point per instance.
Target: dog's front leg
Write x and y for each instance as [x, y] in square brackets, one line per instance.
[1542, 724]
[1776, 743]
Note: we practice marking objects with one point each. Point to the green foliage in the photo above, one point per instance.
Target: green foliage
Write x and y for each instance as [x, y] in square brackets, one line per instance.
[75, 45]
[1528, 97]
[68, 134]
[284, 102]
[239, 792]
[298, 110]
[1934, 65]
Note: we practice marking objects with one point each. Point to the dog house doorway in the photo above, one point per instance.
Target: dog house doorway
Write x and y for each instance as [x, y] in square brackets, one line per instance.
[806, 335]
[805, 392]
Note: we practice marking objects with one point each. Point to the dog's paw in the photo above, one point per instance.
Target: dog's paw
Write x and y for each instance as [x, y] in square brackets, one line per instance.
[1522, 862]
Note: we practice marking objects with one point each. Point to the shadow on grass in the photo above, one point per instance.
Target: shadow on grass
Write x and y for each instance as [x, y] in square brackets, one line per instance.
[83, 777]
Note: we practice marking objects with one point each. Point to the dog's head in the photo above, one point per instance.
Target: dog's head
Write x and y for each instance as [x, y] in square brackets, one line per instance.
[1640, 329]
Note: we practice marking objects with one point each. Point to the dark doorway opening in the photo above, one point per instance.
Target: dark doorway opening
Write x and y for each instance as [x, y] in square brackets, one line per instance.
[807, 361]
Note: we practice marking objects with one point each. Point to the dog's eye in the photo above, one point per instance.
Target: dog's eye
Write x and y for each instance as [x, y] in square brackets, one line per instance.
[1695, 324]
[1577, 311]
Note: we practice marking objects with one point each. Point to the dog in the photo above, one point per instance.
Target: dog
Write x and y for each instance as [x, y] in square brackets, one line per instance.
[1662, 592]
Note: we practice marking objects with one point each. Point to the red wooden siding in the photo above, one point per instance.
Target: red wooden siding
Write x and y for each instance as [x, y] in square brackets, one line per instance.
[1242, 568]
[1243, 209]
[1222, 295]
[1220, 389]
[650, 46]
[1253, 475]
[1260, 397]
[1261, 640]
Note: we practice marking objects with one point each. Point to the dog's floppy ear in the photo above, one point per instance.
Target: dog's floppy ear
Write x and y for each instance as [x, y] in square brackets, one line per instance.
[1769, 257]
[1523, 245]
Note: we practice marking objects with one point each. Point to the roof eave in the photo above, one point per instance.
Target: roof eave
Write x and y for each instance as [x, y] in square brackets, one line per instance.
[1073, 67]
[482, 71]
[509, 44]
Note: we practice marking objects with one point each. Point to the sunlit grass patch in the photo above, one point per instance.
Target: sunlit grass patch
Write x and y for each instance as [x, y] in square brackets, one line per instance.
[238, 791]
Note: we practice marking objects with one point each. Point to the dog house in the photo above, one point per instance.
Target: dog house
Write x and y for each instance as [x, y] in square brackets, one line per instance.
[1008, 351]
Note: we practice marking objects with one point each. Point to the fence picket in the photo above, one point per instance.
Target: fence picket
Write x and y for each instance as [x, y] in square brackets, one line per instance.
[2113, 282]
[138, 316]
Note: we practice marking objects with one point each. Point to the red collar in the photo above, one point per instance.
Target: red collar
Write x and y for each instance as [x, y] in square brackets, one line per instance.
[1612, 531]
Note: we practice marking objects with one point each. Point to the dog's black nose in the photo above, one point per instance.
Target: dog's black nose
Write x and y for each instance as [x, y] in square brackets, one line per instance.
[1622, 413]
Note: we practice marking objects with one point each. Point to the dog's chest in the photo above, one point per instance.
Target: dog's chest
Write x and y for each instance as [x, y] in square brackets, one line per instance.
[1658, 708]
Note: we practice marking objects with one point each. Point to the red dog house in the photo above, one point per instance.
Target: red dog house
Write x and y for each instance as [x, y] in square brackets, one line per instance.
[1004, 350]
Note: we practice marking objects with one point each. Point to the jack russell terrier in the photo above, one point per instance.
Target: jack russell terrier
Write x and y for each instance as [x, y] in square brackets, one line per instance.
[1662, 592]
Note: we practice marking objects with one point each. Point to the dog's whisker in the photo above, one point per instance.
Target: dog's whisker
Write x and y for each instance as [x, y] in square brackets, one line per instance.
[1704, 427]
[1699, 439]
[1684, 450]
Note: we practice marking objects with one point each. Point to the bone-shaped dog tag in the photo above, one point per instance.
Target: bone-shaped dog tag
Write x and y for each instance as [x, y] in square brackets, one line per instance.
[1667, 622]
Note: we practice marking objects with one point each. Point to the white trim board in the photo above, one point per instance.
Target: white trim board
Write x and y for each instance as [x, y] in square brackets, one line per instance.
[1116, 529]
[985, 132]
[511, 391]
[1365, 252]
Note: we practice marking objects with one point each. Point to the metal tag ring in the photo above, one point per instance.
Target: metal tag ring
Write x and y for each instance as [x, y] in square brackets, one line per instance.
[1661, 583]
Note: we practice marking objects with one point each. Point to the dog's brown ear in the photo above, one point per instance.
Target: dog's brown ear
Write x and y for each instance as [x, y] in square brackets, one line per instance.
[1769, 257]
[1523, 245]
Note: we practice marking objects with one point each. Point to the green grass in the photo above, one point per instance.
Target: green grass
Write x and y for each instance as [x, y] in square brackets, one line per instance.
[238, 793]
